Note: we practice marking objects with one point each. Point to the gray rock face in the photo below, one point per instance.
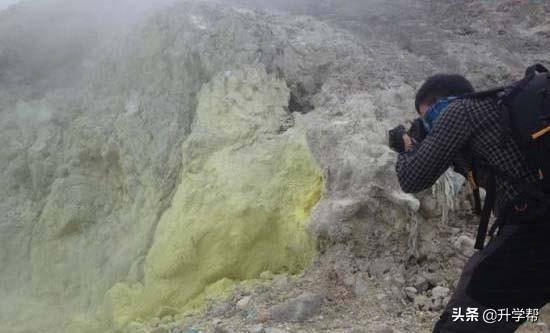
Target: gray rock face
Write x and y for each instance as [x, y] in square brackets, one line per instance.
[297, 309]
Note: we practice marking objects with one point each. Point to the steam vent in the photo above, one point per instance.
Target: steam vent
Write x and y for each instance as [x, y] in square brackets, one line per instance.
[182, 166]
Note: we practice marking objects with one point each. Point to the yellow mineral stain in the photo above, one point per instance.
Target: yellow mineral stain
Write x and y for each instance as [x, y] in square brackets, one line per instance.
[241, 208]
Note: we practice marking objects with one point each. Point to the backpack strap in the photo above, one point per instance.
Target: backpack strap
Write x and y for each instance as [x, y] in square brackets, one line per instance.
[475, 191]
[488, 206]
[525, 188]
[536, 68]
[484, 93]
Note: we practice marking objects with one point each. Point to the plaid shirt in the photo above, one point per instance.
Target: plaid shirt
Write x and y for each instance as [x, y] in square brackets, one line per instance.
[468, 130]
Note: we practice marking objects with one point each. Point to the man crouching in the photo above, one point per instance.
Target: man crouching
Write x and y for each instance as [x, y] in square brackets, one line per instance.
[513, 270]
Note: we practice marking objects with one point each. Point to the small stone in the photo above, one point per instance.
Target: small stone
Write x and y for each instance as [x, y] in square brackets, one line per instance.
[396, 292]
[266, 275]
[222, 308]
[348, 279]
[252, 314]
[465, 245]
[360, 288]
[435, 304]
[384, 329]
[421, 284]
[216, 321]
[381, 266]
[166, 319]
[160, 329]
[398, 280]
[428, 207]
[258, 328]
[386, 307]
[440, 292]
[421, 302]
[358, 330]
[542, 327]
[448, 252]
[363, 265]
[297, 309]
[433, 267]
[155, 321]
[457, 262]
[262, 316]
[219, 329]
[280, 280]
[179, 322]
[274, 330]
[244, 302]
[432, 278]
[454, 231]
[411, 292]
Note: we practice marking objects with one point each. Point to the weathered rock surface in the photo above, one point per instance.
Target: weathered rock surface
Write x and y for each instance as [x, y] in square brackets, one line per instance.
[297, 309]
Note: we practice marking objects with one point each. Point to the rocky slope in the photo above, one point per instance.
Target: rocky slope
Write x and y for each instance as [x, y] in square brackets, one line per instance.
[177, 170]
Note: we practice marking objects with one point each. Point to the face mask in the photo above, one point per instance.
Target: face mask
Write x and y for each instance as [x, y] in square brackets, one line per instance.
[434, 111]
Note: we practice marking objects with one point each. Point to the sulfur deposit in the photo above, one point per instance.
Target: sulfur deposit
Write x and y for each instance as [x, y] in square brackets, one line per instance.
[247, 188]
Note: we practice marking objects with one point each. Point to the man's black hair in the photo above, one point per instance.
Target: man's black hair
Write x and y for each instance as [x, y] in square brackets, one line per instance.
[442, 85]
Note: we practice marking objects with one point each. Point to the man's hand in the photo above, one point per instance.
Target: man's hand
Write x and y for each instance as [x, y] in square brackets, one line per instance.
[417, 131]
[402, 140]
[407, 142]
[396, 138]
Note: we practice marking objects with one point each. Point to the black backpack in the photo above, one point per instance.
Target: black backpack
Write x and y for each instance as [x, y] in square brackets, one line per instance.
[525, 107]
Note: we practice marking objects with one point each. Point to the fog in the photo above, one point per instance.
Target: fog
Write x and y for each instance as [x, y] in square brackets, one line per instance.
[48, 44]
[45, 44]
[6, 3]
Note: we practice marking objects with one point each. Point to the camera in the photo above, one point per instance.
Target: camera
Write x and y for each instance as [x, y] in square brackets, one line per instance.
[417, 132]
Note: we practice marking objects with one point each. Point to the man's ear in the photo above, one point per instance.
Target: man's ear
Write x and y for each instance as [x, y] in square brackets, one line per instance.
[422, 109]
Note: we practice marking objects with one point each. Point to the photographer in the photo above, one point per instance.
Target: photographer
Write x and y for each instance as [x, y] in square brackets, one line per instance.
[513, 269]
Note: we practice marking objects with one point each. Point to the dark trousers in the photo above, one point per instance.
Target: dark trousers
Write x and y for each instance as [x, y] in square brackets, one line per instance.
[512, 271]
